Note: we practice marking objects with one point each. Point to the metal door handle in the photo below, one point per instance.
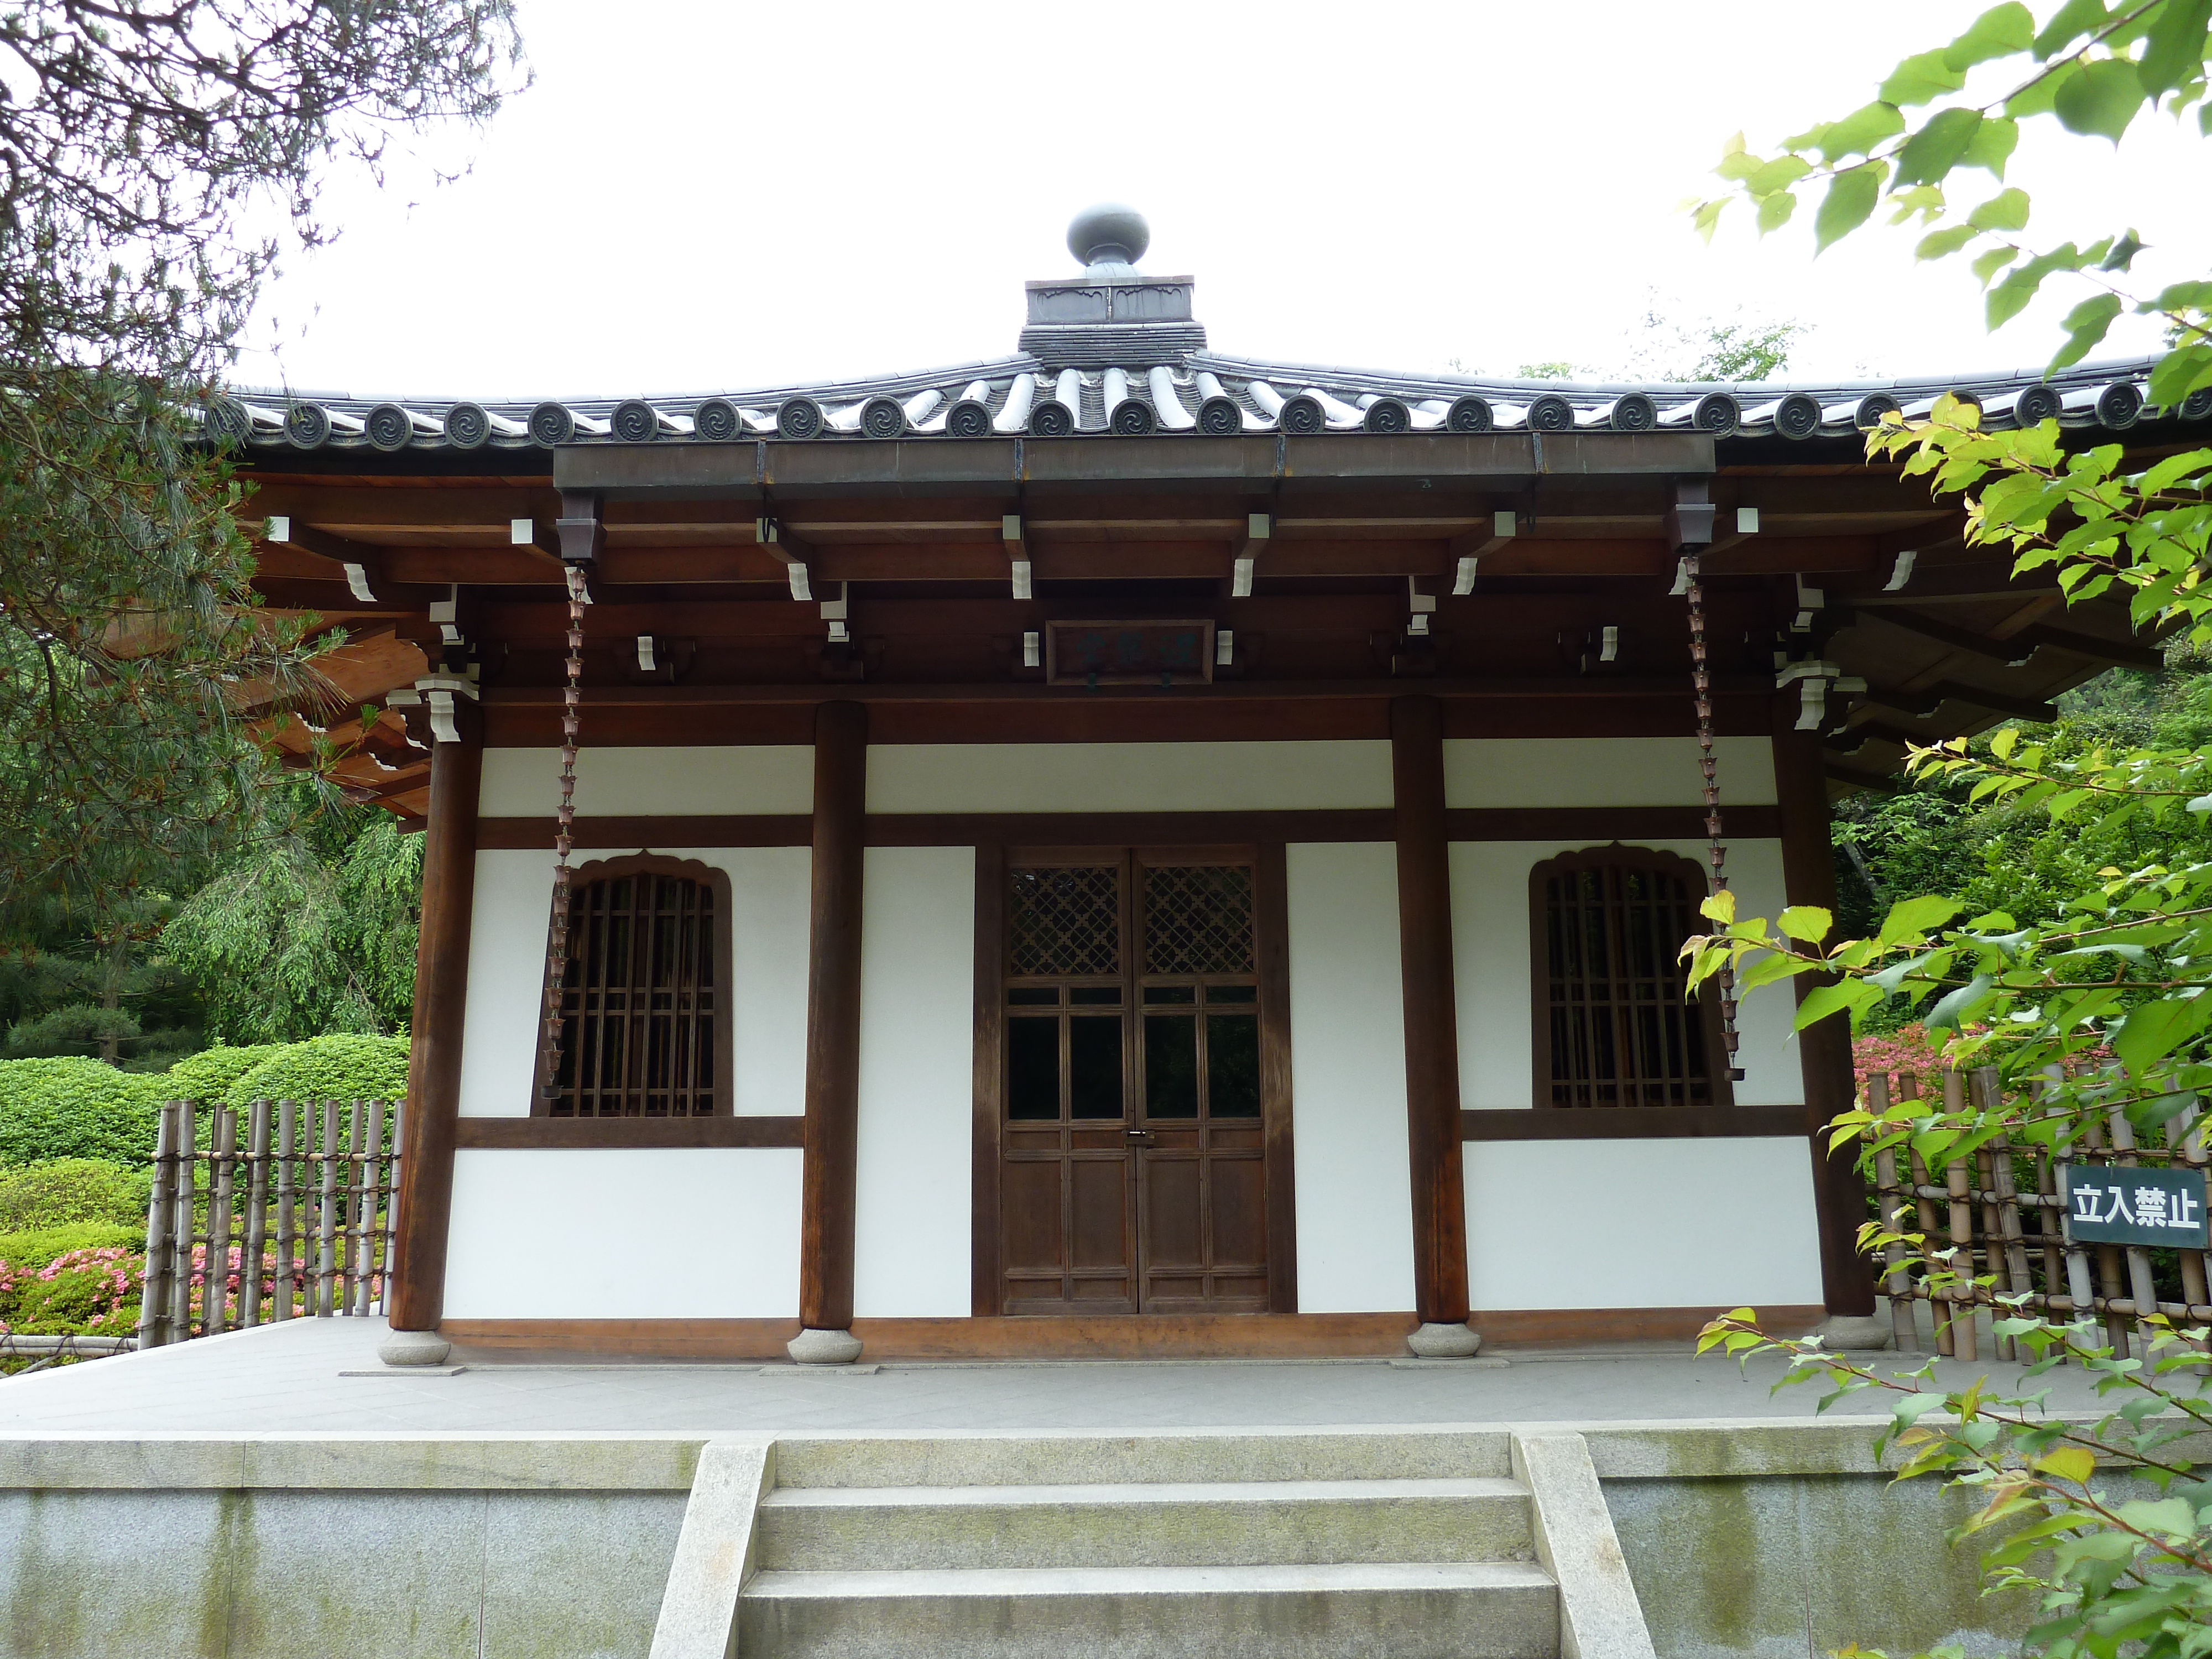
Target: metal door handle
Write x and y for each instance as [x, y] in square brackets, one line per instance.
[1144, 1135]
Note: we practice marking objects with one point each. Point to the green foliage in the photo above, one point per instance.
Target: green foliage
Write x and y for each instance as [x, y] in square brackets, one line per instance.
[327, 1068]
[2080, 954]
[209, 1074]
[300, 938]
[36, 1248]
[2091, 69]
[59, 1192]
[91, 1288]
[75, 1108]
[1550, 371]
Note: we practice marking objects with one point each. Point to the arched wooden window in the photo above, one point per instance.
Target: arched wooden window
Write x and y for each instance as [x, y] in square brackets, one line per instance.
[645, 1025]
[1613, 1027]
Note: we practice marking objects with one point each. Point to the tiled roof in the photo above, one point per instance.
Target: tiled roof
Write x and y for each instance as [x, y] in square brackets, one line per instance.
[1204, 392]
[1113, 350]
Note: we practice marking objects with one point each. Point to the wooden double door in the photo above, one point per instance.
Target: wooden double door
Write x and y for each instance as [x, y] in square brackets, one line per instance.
[1134, 1098]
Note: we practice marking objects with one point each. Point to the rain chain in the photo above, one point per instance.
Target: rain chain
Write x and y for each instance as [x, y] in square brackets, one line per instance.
[557, 951]
[1701, 679]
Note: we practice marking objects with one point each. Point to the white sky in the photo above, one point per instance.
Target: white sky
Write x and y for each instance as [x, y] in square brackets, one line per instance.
[708, 194]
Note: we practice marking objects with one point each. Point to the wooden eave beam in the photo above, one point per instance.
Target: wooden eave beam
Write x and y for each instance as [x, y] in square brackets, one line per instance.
[1923, 704]
[2015, 649]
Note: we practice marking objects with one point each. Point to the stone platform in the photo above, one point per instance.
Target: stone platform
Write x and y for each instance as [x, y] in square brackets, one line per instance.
[242, 1496]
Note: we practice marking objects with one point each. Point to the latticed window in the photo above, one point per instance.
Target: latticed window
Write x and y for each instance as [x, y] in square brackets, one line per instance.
[1614, 1026]
[642, 1031]
[1198, 919]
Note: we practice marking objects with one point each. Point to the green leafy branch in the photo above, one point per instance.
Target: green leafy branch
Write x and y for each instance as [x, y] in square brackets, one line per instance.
[2095, 68]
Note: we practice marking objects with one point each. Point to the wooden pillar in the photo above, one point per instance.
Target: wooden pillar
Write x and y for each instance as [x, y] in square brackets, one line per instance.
[1824, 1049]
[1424, 954]
[833, 1018]
[434, 1057]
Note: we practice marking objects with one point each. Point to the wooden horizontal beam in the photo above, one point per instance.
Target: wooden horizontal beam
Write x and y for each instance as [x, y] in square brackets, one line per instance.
[1636, 1122]
[1537, 823]
[604, 1133]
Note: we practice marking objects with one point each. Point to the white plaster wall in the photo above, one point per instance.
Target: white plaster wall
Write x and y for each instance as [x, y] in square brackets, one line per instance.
[658, 1234]
[912, 1250]
[1603, 772]
[1491, 972]
[1348, 1080]
[1641, 1223]
[627, 783]
[768, 896]
[1126, 777]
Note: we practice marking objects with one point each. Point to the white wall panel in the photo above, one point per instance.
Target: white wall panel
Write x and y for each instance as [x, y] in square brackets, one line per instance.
[768, 896]
[1126, 777]
[663, 1233]
[1603, 772]
[634, 782]
[913, 1237]
[1641, 1223]
[1348, 1080]
[1491, 972]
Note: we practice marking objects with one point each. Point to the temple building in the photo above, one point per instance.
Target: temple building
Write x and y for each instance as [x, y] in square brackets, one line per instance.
[1121, 849]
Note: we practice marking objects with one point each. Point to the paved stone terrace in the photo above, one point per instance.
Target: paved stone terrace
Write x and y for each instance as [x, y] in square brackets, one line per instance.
[286, 1379]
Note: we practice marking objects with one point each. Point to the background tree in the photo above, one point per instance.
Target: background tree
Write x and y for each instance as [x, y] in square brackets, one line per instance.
[147, 148]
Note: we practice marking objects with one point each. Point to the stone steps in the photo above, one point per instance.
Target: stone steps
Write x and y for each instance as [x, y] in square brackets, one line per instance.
[1296, 1543]
[1463, 1610]
[1195, 1524]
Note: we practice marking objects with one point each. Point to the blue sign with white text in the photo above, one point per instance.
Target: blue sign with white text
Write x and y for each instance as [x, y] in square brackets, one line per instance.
[2108, 1204]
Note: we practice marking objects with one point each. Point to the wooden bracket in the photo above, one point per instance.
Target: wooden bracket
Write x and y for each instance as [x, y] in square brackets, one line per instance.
[1016, 536]
[1467, 550]
[770, 533]
[363, 564]
[1259, 530]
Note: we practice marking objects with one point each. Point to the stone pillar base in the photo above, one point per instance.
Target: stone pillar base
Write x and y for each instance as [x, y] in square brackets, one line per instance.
[1841, 1332]
[1444, 1342]
[414, 1348]
[824, 1347]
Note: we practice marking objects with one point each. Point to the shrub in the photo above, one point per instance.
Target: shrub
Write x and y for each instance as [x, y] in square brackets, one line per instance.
[327, 1068]
[95, 1291]
[72, 1107]
[57, 1191]
[27, 1250]
[204, 1076]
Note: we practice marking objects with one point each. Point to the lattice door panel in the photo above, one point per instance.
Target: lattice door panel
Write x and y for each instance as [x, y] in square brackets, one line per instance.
[1622, 1032]
[1198, 919]
[1065, 922]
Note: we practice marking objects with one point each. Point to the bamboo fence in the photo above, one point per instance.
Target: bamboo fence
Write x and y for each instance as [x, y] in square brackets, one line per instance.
[2000, 1209]
[288, 1212]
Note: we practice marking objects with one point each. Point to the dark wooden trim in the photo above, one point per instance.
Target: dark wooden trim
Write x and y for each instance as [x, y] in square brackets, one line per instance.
[1180, 830]
[604, 1133]
[717, 884]
[833, 1018]
[1271, 907]
[1635, 1122]
[1717, 1082]
[1109, 1336]
[1824, 1049]
[1431, 1010]
[1553, 824]
[1540, 1327]
[594, 834]
[434, 1061]
[1588, 823]
[987, 1272]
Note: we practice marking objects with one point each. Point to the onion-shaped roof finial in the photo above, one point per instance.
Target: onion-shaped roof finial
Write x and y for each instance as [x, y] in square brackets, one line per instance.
[1108, 233]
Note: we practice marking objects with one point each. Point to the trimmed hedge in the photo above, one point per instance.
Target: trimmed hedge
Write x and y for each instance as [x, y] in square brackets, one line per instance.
[208, 1074]
[72, 1107]
[31, 1251]
[56, 1192]
[325, 1068]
